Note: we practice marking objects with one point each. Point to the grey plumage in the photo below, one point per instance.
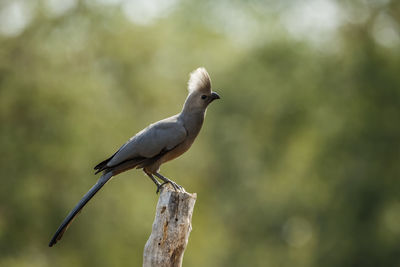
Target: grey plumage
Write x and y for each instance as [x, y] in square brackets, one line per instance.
[158, 143]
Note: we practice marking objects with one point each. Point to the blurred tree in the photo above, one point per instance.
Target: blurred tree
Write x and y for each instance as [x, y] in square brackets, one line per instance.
[304, 145]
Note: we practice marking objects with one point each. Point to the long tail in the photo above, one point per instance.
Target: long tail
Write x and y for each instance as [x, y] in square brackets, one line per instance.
[71, 216]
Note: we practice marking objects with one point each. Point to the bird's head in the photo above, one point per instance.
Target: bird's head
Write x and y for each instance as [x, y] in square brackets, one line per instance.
[200, 93]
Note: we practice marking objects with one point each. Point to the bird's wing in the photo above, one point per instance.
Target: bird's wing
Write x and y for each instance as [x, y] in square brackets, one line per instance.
[160, 136]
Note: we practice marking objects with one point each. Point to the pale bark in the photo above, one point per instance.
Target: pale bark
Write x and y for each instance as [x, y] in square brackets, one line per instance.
[171, 229]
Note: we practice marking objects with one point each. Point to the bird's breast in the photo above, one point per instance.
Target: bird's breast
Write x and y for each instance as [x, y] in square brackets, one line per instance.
[177, 151]
[192, 124]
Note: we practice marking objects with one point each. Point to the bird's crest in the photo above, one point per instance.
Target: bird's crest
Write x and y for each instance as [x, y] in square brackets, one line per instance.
[199, 81]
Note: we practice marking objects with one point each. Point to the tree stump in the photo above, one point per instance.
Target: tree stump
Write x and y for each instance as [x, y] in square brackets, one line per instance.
[171, 229]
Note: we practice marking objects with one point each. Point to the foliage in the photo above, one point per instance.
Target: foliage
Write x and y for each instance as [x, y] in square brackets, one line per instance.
[296, 165]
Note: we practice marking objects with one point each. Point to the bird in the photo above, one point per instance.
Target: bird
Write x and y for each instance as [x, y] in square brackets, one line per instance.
[155, 145]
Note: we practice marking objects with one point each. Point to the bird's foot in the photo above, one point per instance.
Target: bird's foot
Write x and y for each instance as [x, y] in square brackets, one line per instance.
[159, 187]
[168, 181]
[176, 186]
[157, 183]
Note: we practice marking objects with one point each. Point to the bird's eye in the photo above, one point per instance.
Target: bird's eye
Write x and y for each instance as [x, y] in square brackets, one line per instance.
[203, 97]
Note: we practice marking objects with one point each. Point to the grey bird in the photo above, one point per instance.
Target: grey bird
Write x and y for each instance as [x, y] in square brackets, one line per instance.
[158, 143]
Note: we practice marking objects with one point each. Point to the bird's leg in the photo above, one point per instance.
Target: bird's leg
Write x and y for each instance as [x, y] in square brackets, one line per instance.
[158, 184]
[166, 180]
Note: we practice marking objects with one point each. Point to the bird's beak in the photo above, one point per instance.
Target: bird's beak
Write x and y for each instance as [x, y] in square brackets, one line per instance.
[214, 96]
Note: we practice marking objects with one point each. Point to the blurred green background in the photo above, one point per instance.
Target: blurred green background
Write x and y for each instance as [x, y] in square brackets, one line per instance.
[296, 165]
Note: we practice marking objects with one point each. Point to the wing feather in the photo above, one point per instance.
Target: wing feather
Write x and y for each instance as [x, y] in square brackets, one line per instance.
[162, 135]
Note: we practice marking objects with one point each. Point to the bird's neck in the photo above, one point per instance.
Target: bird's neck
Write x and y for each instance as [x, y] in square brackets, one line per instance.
[192, 121]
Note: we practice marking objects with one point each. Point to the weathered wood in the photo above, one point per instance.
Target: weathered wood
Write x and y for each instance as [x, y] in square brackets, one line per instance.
[171, 229]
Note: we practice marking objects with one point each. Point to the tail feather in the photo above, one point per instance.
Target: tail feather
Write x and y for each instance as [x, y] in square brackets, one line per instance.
[104, 162]
[71, 216]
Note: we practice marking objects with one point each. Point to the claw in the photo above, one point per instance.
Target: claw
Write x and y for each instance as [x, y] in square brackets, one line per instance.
[160, 186]
[166, 180]
[174, 185]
